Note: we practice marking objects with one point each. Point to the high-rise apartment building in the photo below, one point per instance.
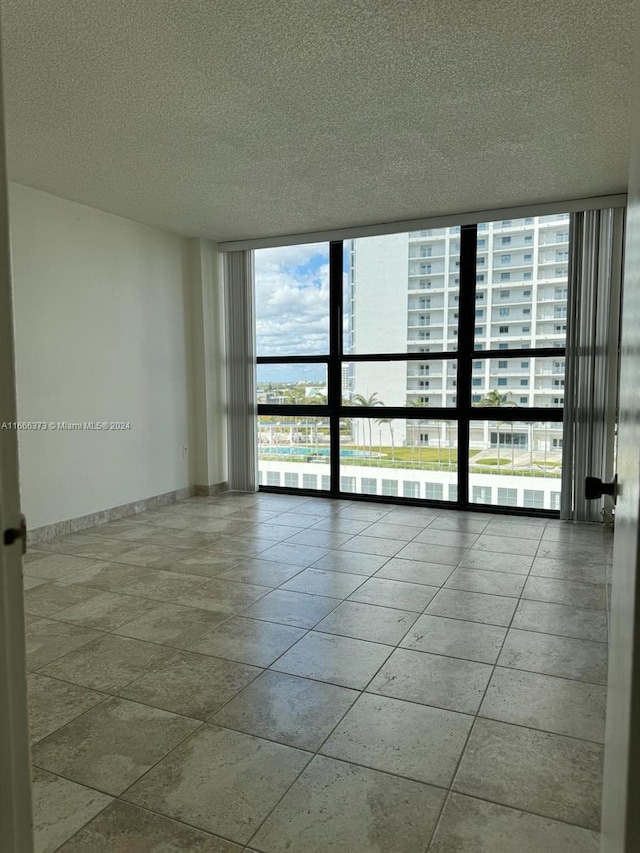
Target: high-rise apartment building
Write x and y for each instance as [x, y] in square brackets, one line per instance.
[402, 295]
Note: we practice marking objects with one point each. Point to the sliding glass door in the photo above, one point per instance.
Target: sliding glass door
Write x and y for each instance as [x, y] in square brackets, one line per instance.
[426, 366]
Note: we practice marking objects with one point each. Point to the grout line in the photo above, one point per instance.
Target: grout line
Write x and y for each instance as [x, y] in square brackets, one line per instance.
[473, 724]
[173, 651]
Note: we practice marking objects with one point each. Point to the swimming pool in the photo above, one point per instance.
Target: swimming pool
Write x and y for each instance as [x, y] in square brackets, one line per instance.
[348, 453]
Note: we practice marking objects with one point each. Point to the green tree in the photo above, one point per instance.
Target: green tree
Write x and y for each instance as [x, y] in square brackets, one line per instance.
[495, 400]
[369, 402]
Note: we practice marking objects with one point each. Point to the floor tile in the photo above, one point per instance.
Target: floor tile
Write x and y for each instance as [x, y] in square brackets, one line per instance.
[43, 564]
[455, 638]
[473, 606]
[223, 596]
[368, 622]
[112, 745]
[569, 571]
[410, 516]
[172, 625]
[295, 555]
[561, 619]
[224, 526]
[272, 530]
[187, 539]
[105, 610]
[358, 564]
[404, 738]
[566, 531]
[108, 663]
[444, 554]
[491, 561]
[123, 828]
[455, 685]
[297, 519]
[32, 582]
[492, 583]
[48, 640]
[243, 776]
[248, 641]
[50, 598]
[415, 571]
[53, 704]
[319, 538]
[373, 545]
[338, 524]
[260, 572]
[468, 825]
[140, 533]
[113, 577]
[160, 585]
[238, 546]
[589, 596]
[396, 594]
[361, 512]
[566, 657]
[206, 565]
[463, 525]
[293, 608]
[522, 530]
[338, 660]
[296, 711]
[545, 702]
[573, 551]
[324, 582]
[248, 611]
[510, 765]
[191, 684]
[400, 532]
[89, 546]
[336, 806]
[506, 545]
[453, 538]
[61, 808]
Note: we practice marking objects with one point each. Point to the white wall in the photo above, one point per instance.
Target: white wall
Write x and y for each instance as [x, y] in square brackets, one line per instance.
[102, 330]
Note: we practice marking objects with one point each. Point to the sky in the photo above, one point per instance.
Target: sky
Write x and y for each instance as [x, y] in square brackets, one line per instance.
[292, 309]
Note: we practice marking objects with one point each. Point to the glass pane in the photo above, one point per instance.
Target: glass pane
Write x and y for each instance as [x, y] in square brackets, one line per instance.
[522, 283]
[292, 300]
[399, 383]
[519, 382]
[401, 292]
[294, 452]
[515, 463]
[294, 384]
[399, 457]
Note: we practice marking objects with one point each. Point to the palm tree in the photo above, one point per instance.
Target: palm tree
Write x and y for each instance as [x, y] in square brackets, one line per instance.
[389, 421]
[495, 400]
[369, 402]
[416, 405]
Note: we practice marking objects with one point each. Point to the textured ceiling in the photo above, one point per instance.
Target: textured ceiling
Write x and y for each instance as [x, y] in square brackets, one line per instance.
[248, 118]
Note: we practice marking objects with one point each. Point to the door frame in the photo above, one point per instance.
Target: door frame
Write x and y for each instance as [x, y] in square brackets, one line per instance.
[16, 833]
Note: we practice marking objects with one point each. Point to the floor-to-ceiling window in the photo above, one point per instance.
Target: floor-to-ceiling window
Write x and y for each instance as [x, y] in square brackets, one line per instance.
[425, 366]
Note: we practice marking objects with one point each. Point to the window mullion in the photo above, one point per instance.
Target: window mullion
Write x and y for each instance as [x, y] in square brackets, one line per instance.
[466, 334]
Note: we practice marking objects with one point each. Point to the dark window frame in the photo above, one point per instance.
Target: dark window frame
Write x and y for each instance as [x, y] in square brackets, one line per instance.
[463, 413]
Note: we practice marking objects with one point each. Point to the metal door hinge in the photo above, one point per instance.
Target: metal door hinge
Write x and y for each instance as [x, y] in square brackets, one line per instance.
[12, 533]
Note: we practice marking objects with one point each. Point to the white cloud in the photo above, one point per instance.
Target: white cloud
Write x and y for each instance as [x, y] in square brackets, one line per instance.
[292, 300]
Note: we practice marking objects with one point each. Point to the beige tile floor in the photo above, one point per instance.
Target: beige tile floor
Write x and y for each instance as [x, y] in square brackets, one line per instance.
[273, 673]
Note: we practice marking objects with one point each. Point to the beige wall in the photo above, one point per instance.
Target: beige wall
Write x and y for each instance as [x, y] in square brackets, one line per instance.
[103, 327]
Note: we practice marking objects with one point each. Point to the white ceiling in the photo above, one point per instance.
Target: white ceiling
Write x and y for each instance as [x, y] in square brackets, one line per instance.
[246, 118]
